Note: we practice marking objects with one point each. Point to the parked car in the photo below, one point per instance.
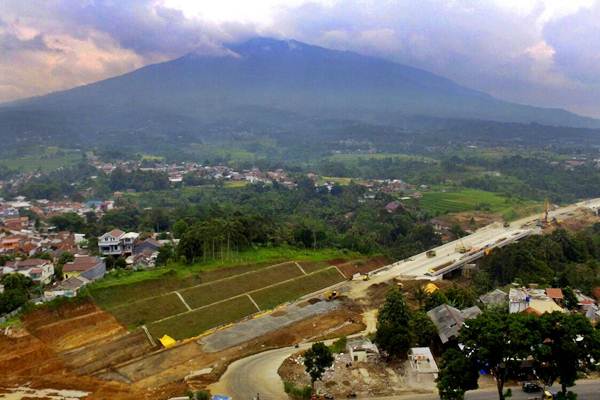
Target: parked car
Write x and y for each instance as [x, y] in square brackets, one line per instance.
[531, 387]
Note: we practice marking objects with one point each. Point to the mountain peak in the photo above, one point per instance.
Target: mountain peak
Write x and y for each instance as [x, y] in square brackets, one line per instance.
[266, 45]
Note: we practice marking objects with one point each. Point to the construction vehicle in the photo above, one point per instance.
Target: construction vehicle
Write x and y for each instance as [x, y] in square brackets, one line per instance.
[366, 277]
[430, 253]
[461, 248]
[331, 295]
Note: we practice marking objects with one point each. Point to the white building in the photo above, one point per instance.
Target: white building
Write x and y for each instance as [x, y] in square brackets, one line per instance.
[422, 361]
[117, 243]
[39, 270]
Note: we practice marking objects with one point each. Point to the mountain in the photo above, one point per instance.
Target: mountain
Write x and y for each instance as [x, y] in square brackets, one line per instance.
[262, 82]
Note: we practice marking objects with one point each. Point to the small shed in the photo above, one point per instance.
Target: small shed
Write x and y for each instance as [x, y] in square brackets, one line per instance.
[362, 350]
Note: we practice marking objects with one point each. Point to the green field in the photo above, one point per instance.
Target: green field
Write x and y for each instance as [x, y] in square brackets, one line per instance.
[195, 322]
[148, 310]
[114, 295]
[47, 159]
[437, 203]
[288, 291]
[125, 280]
[210, 293]
[351, 157]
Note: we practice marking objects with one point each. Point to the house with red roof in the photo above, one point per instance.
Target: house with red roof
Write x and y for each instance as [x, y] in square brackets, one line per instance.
[88, 267]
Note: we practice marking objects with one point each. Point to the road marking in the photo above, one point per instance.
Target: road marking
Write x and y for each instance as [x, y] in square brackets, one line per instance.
[338, 270]
[149, 336]
[199, 285]
[253, 302]
[301, 269]
[183, 301]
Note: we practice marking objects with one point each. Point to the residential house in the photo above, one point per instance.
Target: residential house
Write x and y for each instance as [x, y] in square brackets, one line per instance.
[117, 243]
[555, 294]
[16, 223]
[88, 267]
[422, 362]
[144, 260]
[494, 298]
[449, 320]
[533, 301]
[39, 270]
[393, 206]
[67, 288]
[149, 244]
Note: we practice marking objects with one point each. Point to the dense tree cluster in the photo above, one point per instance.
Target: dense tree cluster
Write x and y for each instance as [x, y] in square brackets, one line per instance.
[16, 292]
[561, 258]
[399, 328]
[560, 345]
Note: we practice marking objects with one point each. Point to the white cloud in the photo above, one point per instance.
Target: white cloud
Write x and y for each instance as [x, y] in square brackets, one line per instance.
[542, 52]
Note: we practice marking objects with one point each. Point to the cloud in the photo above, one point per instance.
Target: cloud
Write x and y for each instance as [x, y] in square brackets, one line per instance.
[540, 52]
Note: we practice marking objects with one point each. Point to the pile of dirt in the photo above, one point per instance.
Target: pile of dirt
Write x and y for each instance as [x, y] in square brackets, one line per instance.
[471, 220]
[362, 267]
[27, 360]
[72, 325]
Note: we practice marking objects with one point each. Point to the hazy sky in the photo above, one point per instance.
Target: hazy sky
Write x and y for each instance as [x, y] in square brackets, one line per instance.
[542, 52]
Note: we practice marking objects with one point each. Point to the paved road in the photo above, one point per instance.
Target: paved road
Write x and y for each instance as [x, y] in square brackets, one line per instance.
[586, 390]
[257, 373]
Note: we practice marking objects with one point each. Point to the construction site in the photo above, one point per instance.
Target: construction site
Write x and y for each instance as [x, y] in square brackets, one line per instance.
[163, 345]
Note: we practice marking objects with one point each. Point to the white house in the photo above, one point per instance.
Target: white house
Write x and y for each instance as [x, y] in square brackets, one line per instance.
[117, 243]
[39, 270]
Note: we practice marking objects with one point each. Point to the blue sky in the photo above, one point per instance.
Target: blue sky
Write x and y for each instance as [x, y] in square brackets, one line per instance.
[542, 52]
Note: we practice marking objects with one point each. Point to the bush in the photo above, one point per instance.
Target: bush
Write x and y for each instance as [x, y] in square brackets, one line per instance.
[298, 393]
[199, 395]
[339, 346]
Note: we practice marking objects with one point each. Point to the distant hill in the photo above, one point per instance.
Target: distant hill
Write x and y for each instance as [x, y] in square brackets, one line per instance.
[262, 82]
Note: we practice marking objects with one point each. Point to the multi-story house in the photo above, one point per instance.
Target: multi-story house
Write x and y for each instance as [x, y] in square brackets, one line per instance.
[39, 270]
[117, 243]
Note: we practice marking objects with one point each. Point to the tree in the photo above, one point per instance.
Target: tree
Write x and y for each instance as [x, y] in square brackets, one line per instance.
[571, 301]
[499, 341]
[457, 375]
[165, 253]
[435, 299]
[120, 263]
[420, 295]
[179, 228]
[423, 330]
[316, 360]
[569, 345]
[68, 222]
[393, 334]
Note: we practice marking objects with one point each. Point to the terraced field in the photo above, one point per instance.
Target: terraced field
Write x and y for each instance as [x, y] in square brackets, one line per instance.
[212, 298]
[206, 294]
[288, 291]
[193, 323]
[148, 310]
[470, 199]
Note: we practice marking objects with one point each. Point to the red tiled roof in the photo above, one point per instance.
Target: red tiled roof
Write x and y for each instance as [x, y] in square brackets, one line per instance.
[32, 262]
[554, 293]
[116, 233]
[81, 264]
